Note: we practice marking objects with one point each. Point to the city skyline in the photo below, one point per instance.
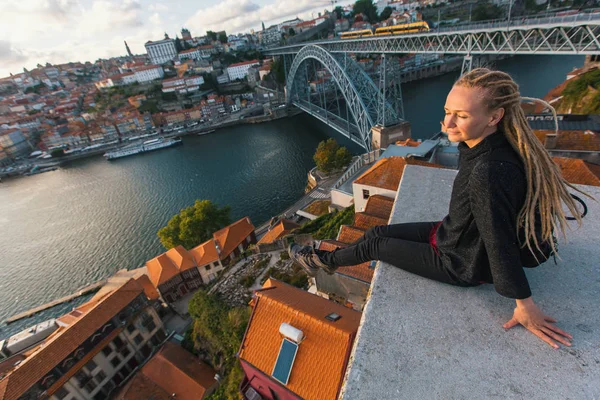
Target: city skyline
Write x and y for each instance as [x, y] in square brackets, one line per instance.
[59, 31]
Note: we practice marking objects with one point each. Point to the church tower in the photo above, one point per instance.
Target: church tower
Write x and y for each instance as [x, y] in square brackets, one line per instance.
[128, 50]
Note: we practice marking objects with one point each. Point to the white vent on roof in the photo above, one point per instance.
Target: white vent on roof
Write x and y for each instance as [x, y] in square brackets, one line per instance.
[291, 333]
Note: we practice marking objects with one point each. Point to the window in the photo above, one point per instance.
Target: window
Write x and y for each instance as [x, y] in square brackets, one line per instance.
[107, 350]
[82, 377]
[91, 365]
[125, 352]
[365, 194]
[138, 339]
[100, 376]
[118, 342]
[207, 267]
[130, 328]
[61, 393]
[155, 340]
[115, 361]
[90, 386]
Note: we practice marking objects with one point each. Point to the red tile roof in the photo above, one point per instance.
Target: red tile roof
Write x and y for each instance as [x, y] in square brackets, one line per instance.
[161, 269]
[64, 342]
[205, 253]
[232, 236]
[572, 140]
[281, 229]
[379, 206]
[322, 356]
[140, 387]
[182, 259]
[365, 221]
[387, 172]
[180, 373]
[243, 63]
[350, 234]
[362, 272]
[577, 171]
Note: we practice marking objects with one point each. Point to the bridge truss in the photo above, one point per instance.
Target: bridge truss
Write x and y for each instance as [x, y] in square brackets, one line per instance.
[578, 35]
[337, 91]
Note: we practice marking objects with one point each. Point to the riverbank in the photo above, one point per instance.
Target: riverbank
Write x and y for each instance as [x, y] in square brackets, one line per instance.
[27, 168]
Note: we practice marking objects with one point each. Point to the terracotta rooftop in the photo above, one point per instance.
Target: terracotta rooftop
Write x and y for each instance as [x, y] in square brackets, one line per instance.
[572, 140]
[140, 387]
[161, 269]
[281, 229]
[579, 172]
[243, 63]
[231, 236]
[349, 234]
[182, 259]
[365, 221]
[174, 370]
[408, 142]
[379, 206]
[322, 356]
[205, 253]
[387, 172]
[64, 342]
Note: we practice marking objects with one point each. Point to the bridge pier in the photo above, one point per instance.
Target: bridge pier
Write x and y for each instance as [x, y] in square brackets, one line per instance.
[383, 136]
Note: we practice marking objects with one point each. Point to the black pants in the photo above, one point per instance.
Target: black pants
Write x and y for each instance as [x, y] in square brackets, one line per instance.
[405, 246]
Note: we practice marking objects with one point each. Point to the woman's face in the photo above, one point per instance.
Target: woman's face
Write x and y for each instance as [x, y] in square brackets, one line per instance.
[467, 119]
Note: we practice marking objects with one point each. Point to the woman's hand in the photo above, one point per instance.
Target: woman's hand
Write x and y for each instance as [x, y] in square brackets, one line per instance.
[531, 317]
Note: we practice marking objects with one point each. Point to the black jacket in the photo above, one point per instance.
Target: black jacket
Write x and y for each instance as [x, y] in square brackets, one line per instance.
[478, 240]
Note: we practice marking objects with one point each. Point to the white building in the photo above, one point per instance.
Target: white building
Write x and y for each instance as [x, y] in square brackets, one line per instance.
[191, 54]
[223, 78]
[240, 70]
[183, 84]
[161, 51]
[148, 73]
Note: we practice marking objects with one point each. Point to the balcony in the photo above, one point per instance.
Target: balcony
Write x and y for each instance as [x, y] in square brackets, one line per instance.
[421, 339]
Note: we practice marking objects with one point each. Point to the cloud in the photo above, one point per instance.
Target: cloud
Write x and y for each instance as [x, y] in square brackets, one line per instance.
[236, 15]
[155, 19]
[9, 55]
[159, 7]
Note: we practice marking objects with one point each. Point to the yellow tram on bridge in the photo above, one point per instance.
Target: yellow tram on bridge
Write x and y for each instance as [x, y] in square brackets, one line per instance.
[402, 29]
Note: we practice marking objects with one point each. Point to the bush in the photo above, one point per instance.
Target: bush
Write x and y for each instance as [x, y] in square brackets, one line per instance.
[284, 256]
[327, 226]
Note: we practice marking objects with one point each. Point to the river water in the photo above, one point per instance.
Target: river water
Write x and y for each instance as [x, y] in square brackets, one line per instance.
[63, 229]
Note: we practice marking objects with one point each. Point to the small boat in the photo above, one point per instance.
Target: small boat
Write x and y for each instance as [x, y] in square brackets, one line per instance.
[206, 132]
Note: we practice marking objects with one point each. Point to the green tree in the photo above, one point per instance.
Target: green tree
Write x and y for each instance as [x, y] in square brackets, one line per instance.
[338, 11]
[342, 158]
[292, 32]
[211, 35]
[178, 45]
[277, 70]
[194, 225]
[223, 37]
[330, 156]
[218, 331]
[385, 14]
[57, 153]
[367, 8]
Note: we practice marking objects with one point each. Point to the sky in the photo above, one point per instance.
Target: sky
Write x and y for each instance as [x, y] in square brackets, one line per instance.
[58, 31]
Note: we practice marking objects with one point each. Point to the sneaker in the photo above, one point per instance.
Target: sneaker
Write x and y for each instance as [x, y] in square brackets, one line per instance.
[308, 259]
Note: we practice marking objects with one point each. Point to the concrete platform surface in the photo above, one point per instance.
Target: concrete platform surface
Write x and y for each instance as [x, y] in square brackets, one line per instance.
[420, 339]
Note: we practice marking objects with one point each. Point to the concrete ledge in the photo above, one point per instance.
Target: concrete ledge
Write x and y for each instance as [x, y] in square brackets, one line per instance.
[421, 339]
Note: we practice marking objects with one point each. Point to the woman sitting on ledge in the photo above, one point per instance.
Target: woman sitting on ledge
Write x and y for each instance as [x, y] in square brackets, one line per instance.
[506, 204]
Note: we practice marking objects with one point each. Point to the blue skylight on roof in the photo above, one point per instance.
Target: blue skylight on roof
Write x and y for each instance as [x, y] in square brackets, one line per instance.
[285, 361]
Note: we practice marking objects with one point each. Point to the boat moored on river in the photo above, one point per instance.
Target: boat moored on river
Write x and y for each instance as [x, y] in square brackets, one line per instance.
[148, 145]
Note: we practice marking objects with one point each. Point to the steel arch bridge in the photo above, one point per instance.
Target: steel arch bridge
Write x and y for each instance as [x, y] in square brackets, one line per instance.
[366, 103]
[570, 35]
